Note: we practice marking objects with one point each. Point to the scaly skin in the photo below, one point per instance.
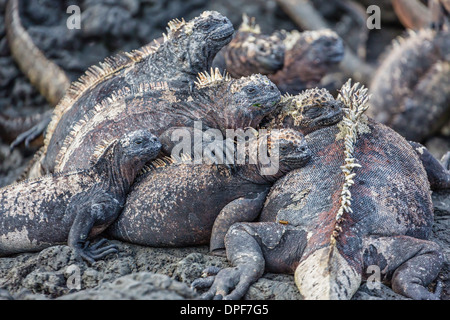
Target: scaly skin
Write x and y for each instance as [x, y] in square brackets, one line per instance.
[251, 51]
[201, 201]
[309, 56]
[305, 227]
[73, 207]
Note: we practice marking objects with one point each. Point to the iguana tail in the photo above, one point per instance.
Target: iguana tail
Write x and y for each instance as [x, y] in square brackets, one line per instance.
[46, 76]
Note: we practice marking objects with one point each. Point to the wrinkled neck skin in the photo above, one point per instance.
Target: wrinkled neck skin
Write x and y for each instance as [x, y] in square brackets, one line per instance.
[115, 174]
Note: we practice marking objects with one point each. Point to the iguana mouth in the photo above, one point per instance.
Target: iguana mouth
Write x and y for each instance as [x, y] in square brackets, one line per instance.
[336, 54]
[271, 64]
[223, 34]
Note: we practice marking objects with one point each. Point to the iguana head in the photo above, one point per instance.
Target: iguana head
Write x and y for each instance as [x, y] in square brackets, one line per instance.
[274, 152]
[290, 147]
[306, 112]
[140, 144]
[128, 154]
[241, 103]
[197, 41]
[309, 56]
[253, 52]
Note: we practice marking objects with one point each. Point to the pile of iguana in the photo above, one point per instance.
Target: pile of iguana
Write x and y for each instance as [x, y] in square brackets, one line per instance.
[362, 201]
[72, 207]
[217, 101]
[182, 203]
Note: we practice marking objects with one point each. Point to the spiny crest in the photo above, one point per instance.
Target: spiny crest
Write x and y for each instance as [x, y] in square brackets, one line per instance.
[104, 106]
[355, 98]
[206, 79]
[101, 148]
[249, 25]
[165, 161]
[172, 27]
[92, 77]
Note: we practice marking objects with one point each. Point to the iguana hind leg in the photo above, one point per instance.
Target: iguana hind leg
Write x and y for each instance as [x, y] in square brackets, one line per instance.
[410, 264]
[239, 210]
[253, 248]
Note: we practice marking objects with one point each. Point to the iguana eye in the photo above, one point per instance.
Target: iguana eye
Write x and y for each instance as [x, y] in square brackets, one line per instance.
[138, 141]
[250, 89]
[205, 26]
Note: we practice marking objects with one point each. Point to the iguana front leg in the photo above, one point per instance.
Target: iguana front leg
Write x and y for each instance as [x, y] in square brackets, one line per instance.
[438, 172]
[92, 214]
[410, 264]
[253, 248]
[239, 210]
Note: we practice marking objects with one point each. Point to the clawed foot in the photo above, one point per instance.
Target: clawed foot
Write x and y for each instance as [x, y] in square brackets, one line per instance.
[225, 284]
[31, 134]
[95, 252]
[437, 291]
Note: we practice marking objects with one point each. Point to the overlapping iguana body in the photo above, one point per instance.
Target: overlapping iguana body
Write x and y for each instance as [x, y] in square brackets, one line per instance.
[187, 49]
[411, 87]
[71, 207]
[217, 101]
[251, 51]
[184, 203]
[309, 56]
[362, 201]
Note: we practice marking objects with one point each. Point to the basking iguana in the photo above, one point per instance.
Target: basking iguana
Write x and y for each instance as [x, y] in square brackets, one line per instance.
[72, 207]
[187, 49]
[362, 203]
[251, 51]
[411, 87]
[181, 203]
[293, 60]
[309, 56]
[217, 101]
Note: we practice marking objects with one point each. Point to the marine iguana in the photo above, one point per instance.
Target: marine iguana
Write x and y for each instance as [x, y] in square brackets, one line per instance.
[411, 87]
[72, 207]
[309, 56]
[183, 203]
[187, 49]
[251, 51]
[363, 200]
[217, 100]
[293, 60]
